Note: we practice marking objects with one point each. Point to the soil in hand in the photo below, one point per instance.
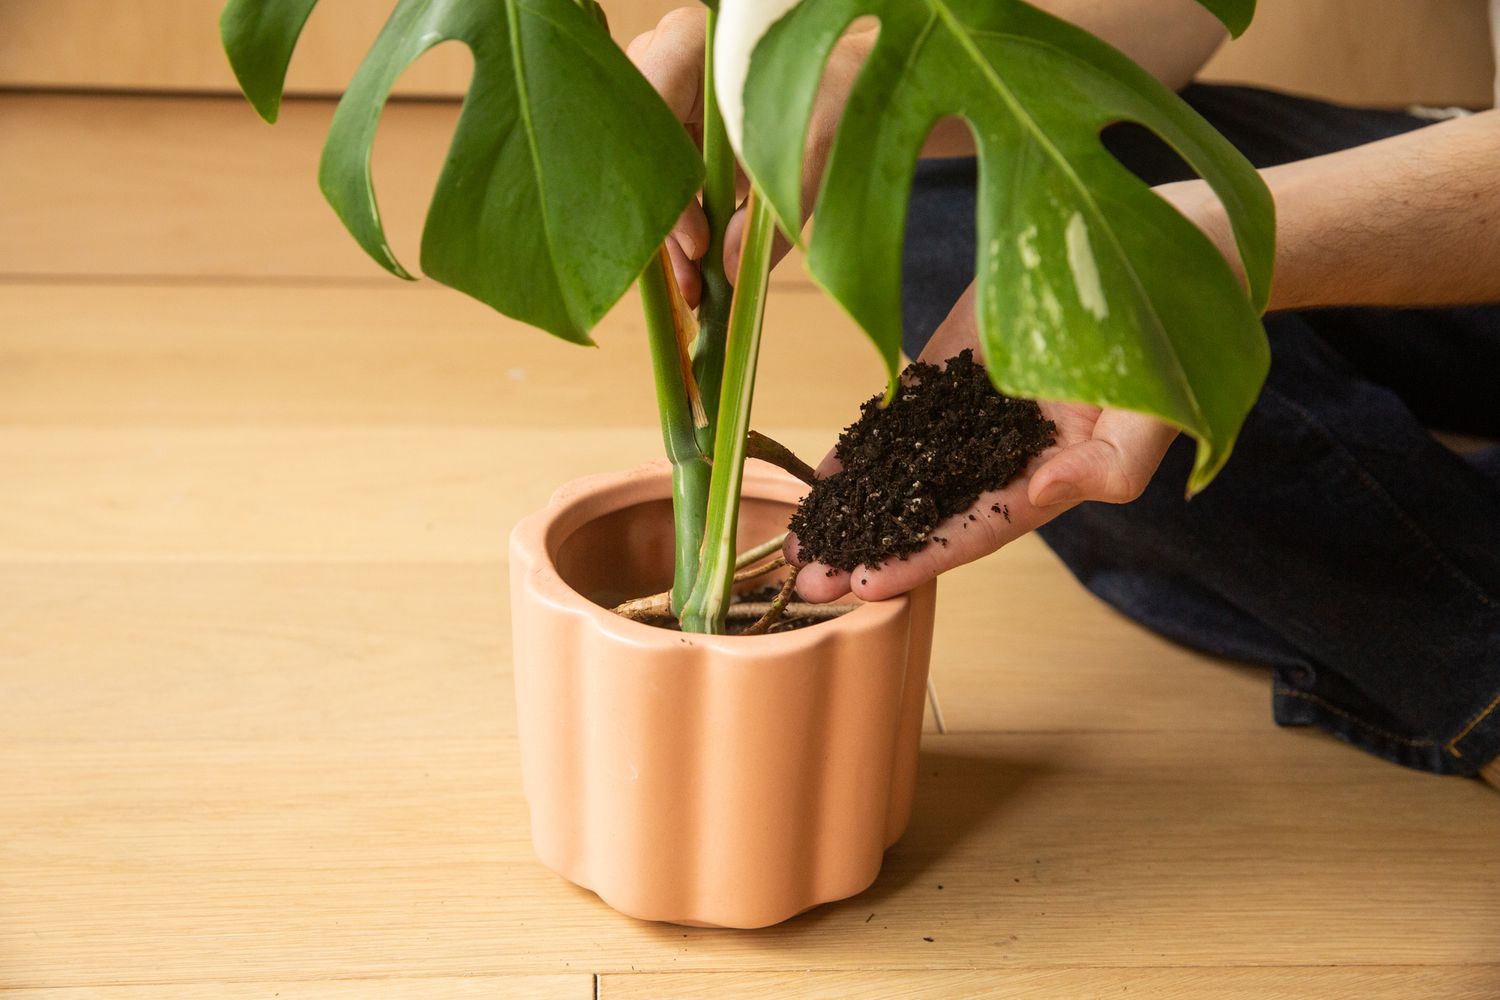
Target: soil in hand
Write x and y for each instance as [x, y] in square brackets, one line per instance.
[947, 437]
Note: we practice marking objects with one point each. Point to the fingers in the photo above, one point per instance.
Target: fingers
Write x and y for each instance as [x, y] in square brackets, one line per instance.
[734, 238]
[995, 520]
[819, 584]
[815, 581]
[670, 57]
[689, 278]
[686, 245]
[691, 232]
[1114, 465]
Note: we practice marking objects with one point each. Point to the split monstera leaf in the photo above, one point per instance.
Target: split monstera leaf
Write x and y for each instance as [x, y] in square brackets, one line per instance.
[1090, 288]
[566, 172]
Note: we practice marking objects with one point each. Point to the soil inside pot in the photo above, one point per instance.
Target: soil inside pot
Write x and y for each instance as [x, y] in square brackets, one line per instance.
[947, 437]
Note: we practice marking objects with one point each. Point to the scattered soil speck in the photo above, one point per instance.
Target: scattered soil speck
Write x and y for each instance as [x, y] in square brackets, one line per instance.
[947, 437]
[927, 939]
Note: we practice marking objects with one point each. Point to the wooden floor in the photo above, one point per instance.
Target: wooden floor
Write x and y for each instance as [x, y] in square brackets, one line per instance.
[256, 721]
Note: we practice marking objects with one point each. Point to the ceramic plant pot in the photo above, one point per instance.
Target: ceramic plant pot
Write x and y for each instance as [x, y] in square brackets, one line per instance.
[727, 781]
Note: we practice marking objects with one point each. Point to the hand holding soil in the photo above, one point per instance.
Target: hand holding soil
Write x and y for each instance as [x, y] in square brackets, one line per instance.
[1094, 454]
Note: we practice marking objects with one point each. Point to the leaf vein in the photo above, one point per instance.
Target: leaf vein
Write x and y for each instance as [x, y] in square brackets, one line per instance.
[523, 92]
[961, 34]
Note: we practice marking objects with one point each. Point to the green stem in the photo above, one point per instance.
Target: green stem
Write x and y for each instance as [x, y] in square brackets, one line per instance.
[719, 206]
[706, 606]
[672, 371]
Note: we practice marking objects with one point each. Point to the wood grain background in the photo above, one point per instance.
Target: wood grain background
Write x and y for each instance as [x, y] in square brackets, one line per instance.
[1381, 52]
[257, 735]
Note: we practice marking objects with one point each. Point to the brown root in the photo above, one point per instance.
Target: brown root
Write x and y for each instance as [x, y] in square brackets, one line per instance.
[757, 445]
[660, 605]
[778, 605]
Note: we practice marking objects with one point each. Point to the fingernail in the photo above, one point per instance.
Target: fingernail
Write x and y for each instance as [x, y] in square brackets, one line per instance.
[688, 246]
[1058, 491]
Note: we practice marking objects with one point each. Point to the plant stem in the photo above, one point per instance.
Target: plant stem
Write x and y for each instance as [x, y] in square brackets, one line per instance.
[760, 551]
[705, 607]
[757, 445]
[660, 605]
[719, 206]
[675, 395]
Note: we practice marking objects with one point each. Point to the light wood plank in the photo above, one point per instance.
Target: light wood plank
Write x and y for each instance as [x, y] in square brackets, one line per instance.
[449, 494]
[256, 729]
[188, 860]
[317, 494]
[258, 652]
[132, 186]
[184, 353]
[1021, 645]
[578, 987]
[174, 45]
[1427, 51]
[1473, 983]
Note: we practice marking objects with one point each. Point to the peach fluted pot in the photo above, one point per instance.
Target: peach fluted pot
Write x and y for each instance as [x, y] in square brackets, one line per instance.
[708, 780]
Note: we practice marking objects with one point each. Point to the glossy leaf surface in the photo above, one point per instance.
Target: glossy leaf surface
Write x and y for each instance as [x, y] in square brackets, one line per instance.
[565, 173]
[1091, 288]
[259, 36]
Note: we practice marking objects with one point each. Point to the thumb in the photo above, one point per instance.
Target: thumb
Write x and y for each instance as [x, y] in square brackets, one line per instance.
[734, 244]
[1114, 465]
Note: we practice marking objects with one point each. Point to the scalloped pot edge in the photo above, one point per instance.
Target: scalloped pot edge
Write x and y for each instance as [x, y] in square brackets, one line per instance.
[706, 780]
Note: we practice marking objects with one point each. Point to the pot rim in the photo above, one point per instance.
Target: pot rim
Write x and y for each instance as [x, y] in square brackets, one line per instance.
[537, 536]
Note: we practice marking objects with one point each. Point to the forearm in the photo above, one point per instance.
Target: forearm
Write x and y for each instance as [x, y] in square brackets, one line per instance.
[1171, 39]
[1409, 221]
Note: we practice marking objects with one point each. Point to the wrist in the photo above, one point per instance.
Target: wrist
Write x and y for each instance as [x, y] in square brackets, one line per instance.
[1198, 203]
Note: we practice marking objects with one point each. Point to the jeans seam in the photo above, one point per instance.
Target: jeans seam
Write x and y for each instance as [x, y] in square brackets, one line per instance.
[1452, 745]
[1330, 707]
[1374, 487]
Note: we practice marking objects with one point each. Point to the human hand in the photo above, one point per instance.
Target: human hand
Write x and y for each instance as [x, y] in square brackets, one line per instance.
[1103, 455]
[671, 58]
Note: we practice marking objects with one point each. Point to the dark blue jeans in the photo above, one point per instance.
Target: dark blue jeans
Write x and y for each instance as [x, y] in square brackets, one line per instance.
[1342, 546]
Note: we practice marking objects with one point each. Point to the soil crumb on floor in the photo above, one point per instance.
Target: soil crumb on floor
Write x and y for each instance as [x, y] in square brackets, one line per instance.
[947, 437]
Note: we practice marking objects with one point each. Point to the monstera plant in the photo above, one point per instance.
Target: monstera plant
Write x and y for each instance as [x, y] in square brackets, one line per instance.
[1090, 288]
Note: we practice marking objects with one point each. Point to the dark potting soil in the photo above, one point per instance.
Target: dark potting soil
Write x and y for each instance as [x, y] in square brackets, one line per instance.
[947, 437]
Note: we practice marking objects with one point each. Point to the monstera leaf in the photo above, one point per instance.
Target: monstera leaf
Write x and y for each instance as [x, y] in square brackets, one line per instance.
[259, 38]
[566, 170]
[1091, 288]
